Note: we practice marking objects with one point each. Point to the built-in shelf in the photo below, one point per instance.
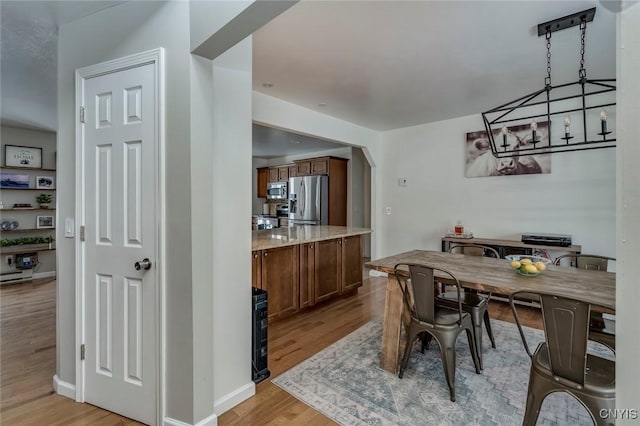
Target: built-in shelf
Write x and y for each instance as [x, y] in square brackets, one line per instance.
[29, 189]
[26, 248]
[24, 209]
[27, 230]
[28, 168]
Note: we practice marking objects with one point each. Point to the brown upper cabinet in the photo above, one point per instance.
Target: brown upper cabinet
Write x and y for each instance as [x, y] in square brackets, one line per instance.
[292, 171]
[303, 168]
[283, 173]
[263, 178]
[320, 166]
[274, 174]
[313, 166]
[279, 173]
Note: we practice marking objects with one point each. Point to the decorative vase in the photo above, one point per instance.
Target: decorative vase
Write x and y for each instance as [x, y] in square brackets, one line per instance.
[44, 205]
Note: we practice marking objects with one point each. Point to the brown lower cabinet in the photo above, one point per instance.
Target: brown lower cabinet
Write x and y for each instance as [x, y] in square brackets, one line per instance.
[276, 271]
[352, 262]
[307, 275]
[315, 272]
[328, 269]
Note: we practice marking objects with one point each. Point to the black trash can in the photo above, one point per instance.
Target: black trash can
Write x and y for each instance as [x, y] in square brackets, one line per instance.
[259, 353]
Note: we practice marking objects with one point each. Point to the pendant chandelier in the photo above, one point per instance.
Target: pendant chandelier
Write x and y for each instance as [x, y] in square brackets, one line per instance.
[572, 116]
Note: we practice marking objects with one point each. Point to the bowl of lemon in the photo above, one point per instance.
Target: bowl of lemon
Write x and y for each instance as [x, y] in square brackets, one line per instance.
[528, 265]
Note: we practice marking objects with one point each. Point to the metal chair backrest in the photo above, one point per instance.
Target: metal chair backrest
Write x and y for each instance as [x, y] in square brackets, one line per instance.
[585, 261]
[474, 250]
[419, 290]
[566, 330]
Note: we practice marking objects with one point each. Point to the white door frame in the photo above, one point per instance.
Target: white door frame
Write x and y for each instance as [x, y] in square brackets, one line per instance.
[155, 56]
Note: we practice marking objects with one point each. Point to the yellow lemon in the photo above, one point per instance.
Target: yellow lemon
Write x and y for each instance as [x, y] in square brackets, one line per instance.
[526, 261]
[531, 269]
[540, 266]
[515, 264]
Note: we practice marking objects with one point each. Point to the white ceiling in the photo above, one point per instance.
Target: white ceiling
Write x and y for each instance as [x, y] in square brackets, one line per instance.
[379, 64]
[392, 64]
[29, 34]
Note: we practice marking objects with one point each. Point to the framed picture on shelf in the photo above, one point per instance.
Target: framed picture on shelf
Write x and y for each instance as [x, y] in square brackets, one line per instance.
[43, 222]
[22, 156]
[12, 180]
[45, 182]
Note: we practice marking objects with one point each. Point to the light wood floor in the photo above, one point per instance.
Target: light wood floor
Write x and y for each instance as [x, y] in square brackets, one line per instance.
[28, 358]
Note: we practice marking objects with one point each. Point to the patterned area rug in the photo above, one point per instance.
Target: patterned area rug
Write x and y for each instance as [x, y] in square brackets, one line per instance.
[345, 383]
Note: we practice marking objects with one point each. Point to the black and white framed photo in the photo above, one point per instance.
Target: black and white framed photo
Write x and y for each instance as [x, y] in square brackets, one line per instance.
[22, 156]
[480, 162]
[43, 222]
[45, 182]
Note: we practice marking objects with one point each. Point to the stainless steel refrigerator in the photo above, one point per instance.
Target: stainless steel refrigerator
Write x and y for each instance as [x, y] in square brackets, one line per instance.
[308, 200]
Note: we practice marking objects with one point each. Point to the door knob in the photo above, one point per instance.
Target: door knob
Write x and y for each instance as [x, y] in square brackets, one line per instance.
[143, 264]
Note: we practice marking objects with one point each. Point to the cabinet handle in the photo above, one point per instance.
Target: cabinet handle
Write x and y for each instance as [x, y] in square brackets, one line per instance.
[339, 241]
[311, 246]
[265, 255]
[255, 256]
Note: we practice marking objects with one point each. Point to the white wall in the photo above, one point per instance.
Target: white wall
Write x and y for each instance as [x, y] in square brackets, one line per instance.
[577, 198]
[231, 231]
[122, 30]
[201, 234]
[628, 203]
[27, 219]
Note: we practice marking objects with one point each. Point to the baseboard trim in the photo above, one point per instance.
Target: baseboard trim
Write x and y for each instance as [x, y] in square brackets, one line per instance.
[234, 398]
[44, 274]
[212, 420]
[63, 388]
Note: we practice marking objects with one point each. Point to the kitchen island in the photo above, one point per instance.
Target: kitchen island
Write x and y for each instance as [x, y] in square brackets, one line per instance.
[302, 265]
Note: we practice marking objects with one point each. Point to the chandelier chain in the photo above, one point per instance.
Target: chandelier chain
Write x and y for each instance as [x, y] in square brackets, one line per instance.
[547, 80]
[583, 28]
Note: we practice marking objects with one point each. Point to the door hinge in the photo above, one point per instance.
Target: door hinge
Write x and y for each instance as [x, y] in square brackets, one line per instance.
[82, 233]
[82, 350]
[82, 114]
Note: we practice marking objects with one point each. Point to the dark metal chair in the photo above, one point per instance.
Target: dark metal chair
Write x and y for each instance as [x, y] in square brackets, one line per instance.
[561, 363]
[422, 315]
[601, 330]
[472, 302]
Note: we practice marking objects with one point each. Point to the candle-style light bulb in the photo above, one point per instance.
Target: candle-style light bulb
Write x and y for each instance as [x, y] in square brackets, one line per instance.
[534, 126]
[567, 126]
[603, 121]
[504, 132]
[603, 115]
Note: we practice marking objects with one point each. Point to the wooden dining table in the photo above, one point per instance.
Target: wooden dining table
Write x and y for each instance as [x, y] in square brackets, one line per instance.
[487, 274]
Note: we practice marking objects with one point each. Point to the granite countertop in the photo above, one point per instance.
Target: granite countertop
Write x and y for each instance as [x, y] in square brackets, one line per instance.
[279, 237]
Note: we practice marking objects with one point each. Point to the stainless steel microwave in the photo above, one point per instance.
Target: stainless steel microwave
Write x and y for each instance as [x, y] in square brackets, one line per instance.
[277, 191]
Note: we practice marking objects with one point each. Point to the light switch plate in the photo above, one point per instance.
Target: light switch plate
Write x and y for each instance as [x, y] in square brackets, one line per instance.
[69, 227]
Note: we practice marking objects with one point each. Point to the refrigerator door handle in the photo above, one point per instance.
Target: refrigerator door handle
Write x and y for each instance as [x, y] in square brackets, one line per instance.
[303, 197]
[318, 194]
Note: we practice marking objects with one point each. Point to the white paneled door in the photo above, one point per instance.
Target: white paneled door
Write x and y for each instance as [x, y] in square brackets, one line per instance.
[120, 146]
